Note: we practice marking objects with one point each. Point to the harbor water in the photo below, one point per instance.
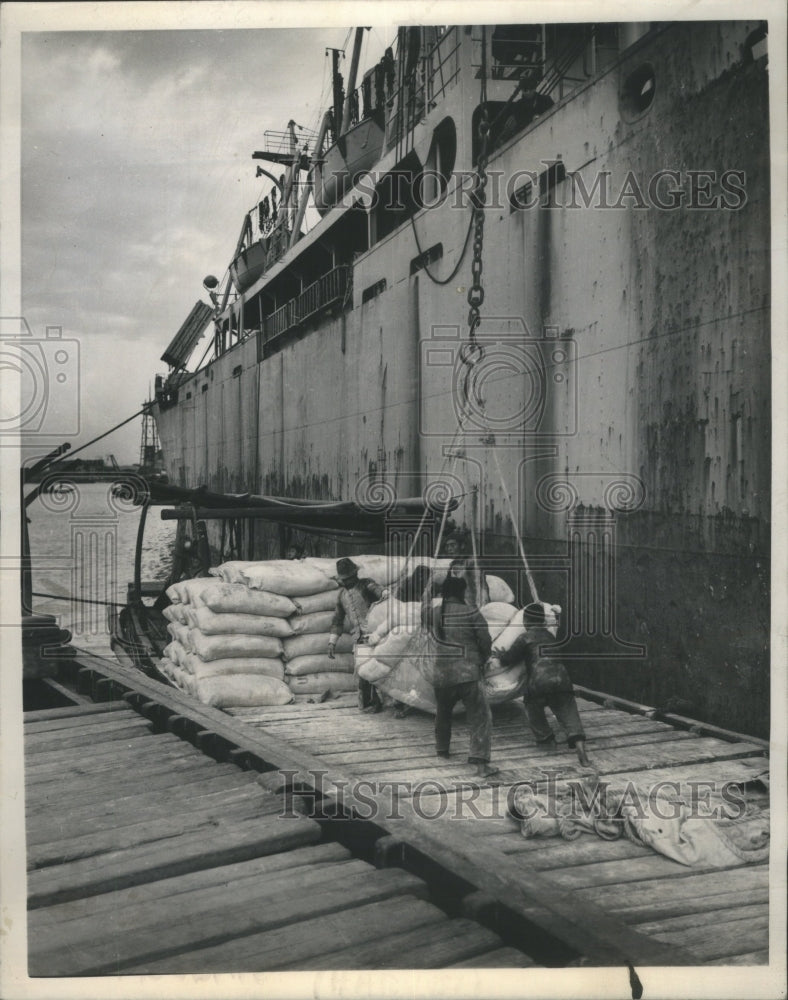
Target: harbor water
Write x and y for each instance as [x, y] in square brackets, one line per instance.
[82, 544]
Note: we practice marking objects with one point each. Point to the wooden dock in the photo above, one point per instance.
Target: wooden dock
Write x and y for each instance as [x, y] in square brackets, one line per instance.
[149, 844]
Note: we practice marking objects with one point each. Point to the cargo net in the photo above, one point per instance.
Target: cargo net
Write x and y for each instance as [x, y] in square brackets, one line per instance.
[257, 633]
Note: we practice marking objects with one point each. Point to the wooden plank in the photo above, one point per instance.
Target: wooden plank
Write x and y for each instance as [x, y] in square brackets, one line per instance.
[668, 925]
[75, 711]
[132, 834]
[147, 896]
[62, 725]
[429, 947]
[694, 886]
[240, 909]
[737, 770]
[529, 751]
[500, 958]
[214, 897]
[81, 764]
[270, 949]
[751, 958]
[676, 906]
[119, 869]
[175, 778]
[734, 937]
[602, 873]
[583, 926]
[132, 811]
[92, 741]
[588, 849]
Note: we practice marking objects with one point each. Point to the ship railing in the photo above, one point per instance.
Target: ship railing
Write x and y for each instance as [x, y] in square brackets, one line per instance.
[420, 92]
[330, 289]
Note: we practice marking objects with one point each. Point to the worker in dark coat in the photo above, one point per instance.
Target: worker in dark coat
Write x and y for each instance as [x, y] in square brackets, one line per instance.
[463, 648]
[548, 684]
[356, 597]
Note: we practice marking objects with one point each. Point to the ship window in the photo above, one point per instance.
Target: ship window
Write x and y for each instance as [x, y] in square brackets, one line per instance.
[373, 291]
[188, 395]
[237, 371]
[639, 89]
[424, 259]
[205, 387]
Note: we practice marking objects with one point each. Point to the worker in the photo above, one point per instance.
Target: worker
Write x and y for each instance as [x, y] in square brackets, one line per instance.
[356, 597]
[547, 685]
[464, 647]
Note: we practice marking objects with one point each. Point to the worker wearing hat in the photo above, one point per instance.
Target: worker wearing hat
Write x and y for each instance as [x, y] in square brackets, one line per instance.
[355, 598]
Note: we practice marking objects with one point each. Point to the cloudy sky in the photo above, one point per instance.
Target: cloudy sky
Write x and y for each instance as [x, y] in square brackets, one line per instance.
[136, 174]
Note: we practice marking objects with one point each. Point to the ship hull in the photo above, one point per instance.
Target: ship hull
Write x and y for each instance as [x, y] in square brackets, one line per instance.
[641, 476]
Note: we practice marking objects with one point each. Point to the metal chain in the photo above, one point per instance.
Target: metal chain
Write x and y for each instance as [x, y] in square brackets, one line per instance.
[472, 352]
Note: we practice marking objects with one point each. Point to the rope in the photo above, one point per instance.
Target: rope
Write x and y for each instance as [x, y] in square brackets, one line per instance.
[529, 577]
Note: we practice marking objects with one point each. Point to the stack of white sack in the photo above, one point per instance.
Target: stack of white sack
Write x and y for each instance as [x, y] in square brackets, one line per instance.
[227, 643]
[312, 587]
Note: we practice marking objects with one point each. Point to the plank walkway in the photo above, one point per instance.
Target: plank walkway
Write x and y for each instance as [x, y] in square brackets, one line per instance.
[612, 903]
[145, 855]
[715, 915]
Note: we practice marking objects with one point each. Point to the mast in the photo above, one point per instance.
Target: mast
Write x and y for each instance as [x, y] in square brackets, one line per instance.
[351, 80]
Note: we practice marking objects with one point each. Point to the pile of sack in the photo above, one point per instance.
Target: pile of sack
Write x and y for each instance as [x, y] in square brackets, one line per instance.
[256, 633]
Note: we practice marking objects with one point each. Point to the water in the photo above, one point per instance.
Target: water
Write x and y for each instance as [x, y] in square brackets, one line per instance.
[82, 544]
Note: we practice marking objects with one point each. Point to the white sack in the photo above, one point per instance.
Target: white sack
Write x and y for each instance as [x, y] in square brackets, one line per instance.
[175, 613]
[319, 683]
[236, 598]
[498, 590]
[325, 601]
[211, 623]
[318, 621]
[320, 663]
[243, 690]
[263, 665]
[314, 643]
[217, 647]
[497, 614]
[293, 578]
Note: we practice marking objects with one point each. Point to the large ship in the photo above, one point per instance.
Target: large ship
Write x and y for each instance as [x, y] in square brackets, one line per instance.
[536, 282]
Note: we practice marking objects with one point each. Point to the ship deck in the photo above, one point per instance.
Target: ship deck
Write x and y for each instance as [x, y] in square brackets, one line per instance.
[147, 801]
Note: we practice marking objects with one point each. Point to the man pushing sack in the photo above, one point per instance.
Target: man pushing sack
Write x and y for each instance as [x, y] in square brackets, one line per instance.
[356, 597]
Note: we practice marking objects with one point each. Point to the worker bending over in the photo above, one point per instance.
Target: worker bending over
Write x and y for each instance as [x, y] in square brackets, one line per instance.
[356, 596]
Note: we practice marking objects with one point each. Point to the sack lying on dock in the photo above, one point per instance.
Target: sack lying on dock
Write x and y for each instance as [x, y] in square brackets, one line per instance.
[237, 598]
[320, 663]
[315, 643]
[324, 601]
[242, 691]
[318, 621]
[211, 623]
[263, 665]
[217, 647]
[325, 681]
[290, 578]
